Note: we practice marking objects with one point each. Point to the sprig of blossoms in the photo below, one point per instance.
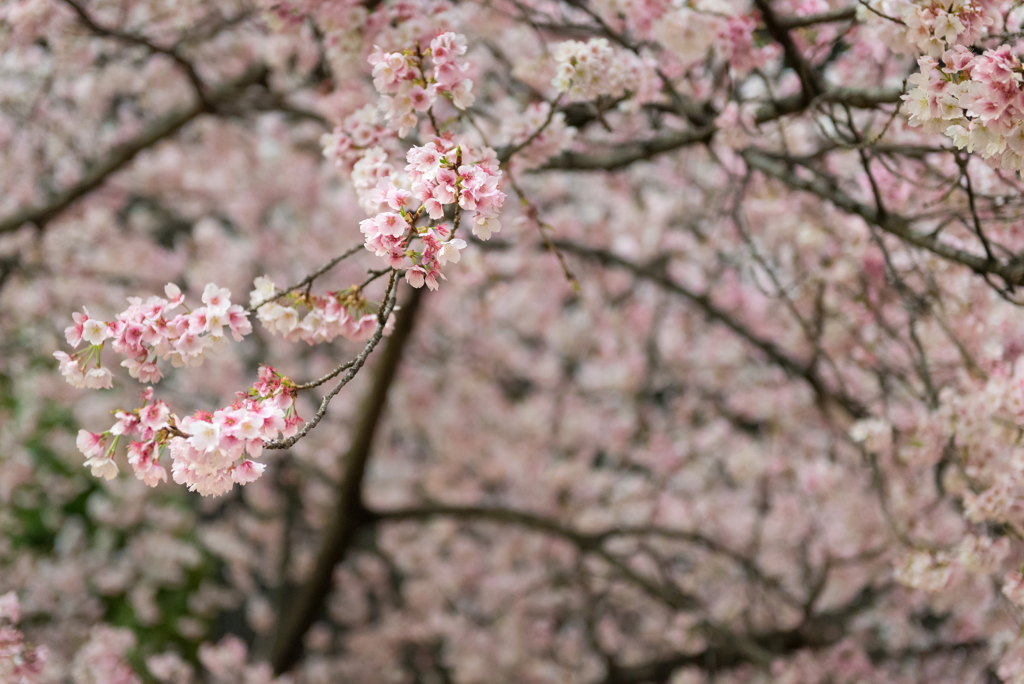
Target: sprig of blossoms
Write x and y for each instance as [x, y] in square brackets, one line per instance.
[367, 173]
[346, 314]
[145, 332]
[103, 657]
[982, 423]
[225, 662]
[443, 173]
[976, 100]
[982, 555]
[210, 452]
[214, 455]
[440, 174]
[1013, 588]
[410, 86]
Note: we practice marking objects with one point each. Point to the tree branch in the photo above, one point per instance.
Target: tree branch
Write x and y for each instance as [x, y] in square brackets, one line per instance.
[353, 367]
[810, 81]
[795, 22]
[349, 512]
[792, 366]
[727, 649]
[133, 39]
[587, 543]
[894, 224]
[621, 156]
[118, 157]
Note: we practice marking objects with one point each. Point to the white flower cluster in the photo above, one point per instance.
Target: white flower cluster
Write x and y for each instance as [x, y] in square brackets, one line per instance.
[588, 70]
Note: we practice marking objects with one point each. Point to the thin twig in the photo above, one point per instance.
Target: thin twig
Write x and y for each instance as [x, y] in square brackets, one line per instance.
[308, 280]
[357, 363]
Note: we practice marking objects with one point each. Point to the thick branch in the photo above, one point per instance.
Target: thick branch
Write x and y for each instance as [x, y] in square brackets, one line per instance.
[118, 157]
[621, 156]
[726, 650]
[588, 542]
[810, 81]
[894, 224]
[795, 22]
[624, 155]
[133, 39]
[667, 594]
[349, 512]
[777, 356]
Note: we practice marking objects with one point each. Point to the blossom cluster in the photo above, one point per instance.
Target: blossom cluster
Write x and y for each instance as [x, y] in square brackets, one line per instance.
[984, 425]
[440, 174]
[976, 100]
[226, 663]
[585, 71]
[687, 33]
[409, 86]
[145, 332]
[923, 570]
[19, 662]
[103, 657]
[735, 43]
[931, 27]
[213, 457]
[210, 452]
[346, 314]
[367, 173]
[933, 571]
[360, 131]
[1013, 588]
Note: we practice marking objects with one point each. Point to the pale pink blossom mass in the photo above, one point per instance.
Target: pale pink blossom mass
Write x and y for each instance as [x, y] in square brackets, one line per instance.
[586, 342]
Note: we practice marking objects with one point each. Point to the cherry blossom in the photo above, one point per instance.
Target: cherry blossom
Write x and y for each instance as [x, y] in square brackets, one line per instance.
[730, 389]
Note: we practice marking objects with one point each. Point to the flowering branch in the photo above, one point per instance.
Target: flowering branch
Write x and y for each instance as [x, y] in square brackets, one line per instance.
[309, 279]
[349, 512]
[353, 368]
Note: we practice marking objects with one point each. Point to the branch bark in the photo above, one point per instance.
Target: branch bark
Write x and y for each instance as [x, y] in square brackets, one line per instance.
[119, 157]
[727, 649]
[172, 52]
[620, 156]
[793, 366]
[349, 511]
[810, 80]
[894, 224]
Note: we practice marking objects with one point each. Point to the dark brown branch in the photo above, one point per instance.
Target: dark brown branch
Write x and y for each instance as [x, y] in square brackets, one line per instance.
[894, 224]
[349, 513]
[353, 367]
[729, 654]
[795, 22]
[587, 543]
[624, 155]
[134, 39]
[308, 280]
[727, 649]
[118, 157]
[621, 156]
[777, 356]
[810, 80]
